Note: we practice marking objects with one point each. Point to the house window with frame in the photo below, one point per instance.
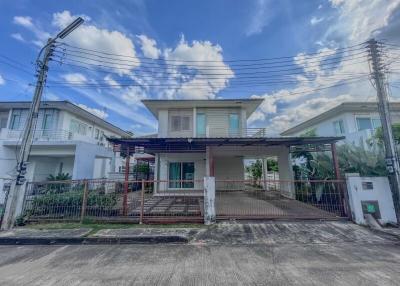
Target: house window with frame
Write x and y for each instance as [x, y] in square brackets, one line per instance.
[96, 133]
[15, 123]
[338, 126]
[181, 175]
[201, 125]
[367, 123]
[233, 124]
[180, 123]
[77, 127]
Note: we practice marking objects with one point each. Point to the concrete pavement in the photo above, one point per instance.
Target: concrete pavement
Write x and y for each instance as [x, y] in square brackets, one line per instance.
[227, 254]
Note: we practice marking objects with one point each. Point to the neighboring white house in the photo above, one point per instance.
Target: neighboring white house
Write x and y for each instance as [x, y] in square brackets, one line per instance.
[67, 139]
[357, 121]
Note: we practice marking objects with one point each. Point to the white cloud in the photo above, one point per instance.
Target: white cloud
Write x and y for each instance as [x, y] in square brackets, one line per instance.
[260, 18]
[356, 22]
[26, 22]
[18, 37]
[23, 21]
[359, 20]
[197, 57]
[88, 36]
[149, 47]
[111, 82]
[99, 113]
[75, 78]
[314, 20]
[2, 80]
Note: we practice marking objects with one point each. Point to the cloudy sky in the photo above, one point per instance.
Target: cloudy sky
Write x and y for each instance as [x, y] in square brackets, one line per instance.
[303, 57]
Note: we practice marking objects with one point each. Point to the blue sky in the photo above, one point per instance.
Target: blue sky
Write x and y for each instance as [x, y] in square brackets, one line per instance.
[214, 31]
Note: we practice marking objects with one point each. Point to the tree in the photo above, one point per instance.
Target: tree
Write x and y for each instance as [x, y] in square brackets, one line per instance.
[396, 134]
[352, 159]
[255, 170]
[59, 177]
[272, 165]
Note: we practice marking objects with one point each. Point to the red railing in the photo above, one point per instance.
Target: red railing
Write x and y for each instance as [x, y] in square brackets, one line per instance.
[182, 200]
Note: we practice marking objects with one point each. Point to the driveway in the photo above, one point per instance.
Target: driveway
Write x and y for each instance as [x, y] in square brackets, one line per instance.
[272, 254]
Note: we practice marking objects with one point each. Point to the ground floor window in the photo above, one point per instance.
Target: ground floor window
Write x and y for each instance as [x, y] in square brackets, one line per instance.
[181, 175]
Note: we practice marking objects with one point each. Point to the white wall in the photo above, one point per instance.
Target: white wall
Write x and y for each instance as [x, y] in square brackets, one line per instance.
[381, 192]
[229, 168]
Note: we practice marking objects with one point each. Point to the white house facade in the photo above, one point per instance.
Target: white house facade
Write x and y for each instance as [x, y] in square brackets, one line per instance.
[202, 138]
[357, 121]
[67, 139]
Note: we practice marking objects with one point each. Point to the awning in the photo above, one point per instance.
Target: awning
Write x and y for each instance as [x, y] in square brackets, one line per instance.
[198, 145]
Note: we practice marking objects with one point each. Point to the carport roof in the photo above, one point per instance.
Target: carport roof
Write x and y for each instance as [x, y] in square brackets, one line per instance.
[189, 145]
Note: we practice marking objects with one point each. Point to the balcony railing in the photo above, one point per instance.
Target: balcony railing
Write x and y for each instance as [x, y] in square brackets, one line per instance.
[58, 135]
[240, 133]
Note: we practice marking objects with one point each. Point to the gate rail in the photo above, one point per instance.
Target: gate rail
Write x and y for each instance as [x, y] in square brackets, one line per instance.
[302, 199]
[182, 200]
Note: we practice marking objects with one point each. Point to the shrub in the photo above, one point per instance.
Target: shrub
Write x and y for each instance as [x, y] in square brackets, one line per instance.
[72, 200]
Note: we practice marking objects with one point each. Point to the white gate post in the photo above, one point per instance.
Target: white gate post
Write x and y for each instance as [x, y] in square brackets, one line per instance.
[209, 200]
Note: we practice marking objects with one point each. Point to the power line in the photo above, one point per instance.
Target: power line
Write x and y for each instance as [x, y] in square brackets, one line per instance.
[221, 74]
[202, 66]
[203, 61]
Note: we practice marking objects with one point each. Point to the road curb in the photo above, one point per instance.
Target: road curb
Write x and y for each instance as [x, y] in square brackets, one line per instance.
[153, 239]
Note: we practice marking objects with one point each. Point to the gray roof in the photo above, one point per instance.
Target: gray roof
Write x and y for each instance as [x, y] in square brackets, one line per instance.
[250, 104]
[341, 108]
[70, 107]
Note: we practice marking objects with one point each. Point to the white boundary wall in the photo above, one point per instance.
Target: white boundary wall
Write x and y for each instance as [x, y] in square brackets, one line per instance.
[380, 192]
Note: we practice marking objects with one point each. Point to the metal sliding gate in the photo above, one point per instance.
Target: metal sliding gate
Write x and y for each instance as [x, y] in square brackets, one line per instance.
[275, 199]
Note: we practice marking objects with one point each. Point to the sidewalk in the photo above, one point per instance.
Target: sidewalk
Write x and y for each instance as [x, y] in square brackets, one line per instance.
[225, 233]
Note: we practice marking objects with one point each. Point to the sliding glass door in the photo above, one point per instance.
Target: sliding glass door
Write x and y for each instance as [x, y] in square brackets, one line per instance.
[181, 175]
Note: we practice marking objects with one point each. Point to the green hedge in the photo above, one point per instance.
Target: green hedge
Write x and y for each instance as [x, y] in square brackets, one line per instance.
[70, 199]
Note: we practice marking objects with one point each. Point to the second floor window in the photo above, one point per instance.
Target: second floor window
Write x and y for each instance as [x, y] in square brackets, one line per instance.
[201, 125]
[367, 123]
[180, 123]
[234, 124]
[77, 127]
[15, 121]
[338, 127]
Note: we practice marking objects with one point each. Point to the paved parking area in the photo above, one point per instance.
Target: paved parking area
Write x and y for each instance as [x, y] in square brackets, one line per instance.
[248, 204]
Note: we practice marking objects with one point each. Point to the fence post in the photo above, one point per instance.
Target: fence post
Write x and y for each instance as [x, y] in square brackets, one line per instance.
[209, 200]
[84, 199]
[142, 203]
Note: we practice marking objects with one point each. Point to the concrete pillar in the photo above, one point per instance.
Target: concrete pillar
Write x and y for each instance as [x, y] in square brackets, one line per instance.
[209, 200]
[286, 173]
[209, 162]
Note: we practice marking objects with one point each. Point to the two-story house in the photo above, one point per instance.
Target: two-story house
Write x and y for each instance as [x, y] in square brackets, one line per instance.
[67, 139]
[200, 138]
[357, 121]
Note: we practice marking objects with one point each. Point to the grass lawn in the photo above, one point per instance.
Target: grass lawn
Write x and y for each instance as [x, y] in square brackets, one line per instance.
[98, 226]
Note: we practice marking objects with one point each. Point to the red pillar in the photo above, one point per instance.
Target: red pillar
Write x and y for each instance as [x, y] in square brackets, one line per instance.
[335, 161]
[126, 183]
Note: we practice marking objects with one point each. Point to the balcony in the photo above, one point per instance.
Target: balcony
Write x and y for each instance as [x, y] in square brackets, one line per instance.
[241, 133]
[58, 135]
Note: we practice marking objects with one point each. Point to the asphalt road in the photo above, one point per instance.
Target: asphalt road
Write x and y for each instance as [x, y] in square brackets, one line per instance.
[355, 261]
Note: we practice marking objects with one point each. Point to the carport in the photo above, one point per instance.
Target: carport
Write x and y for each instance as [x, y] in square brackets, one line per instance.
[238, 198]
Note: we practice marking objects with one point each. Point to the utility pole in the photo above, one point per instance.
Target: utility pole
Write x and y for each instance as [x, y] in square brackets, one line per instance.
[16, 195]
[392, 160]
